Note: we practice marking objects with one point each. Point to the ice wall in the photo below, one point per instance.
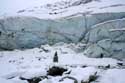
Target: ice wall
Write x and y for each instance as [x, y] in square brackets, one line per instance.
[107, 39]
[29, 32]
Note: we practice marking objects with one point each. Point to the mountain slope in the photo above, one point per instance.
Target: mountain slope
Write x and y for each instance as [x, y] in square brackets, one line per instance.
[65, 8]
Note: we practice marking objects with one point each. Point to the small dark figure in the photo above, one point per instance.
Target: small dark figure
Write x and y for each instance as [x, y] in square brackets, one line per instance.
[55, 12]
[39, 59]
[101, 55]
[23, 30]
[55, 59]
[10, 61]
[0, 33]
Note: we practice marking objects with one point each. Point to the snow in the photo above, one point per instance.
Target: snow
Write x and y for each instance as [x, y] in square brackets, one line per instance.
[5, 81]
[39, 8]
[35, 62]
[113, 76]
[67, 81]
[15, 80]
[110, 21]
[7, 6]
[34, 73]
[83, 73]
[121, 29]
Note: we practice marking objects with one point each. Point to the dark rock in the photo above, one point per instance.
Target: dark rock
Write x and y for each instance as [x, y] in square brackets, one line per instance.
[91, 78]
[33, 80]
[108, 66]
[56, 71]
[0, 33]
[45, 50]
[40, 51]
[120, 64]
[84, 66]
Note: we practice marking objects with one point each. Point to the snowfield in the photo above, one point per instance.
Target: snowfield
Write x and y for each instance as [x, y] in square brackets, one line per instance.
[35, 63]
[60, 8]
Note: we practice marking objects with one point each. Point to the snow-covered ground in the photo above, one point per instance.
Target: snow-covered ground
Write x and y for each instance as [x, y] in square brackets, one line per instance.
[35, 63]
[19, 66]
[49, 9]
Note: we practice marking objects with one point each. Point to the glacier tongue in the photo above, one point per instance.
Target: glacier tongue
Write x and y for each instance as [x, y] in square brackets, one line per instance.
[29, 32]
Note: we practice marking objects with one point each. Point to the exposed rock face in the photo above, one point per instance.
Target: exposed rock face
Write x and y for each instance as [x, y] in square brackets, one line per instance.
[107, 38]
[29, 32]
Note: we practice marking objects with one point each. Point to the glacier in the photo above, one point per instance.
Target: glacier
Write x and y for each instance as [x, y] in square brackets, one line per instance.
[23, 32]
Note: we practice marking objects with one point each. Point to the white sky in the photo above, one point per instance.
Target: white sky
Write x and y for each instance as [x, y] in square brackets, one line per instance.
[15, 5]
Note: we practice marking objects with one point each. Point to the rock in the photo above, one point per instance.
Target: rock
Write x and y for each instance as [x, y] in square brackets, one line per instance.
[107, 67]
[56, 71]
[120, 64]
[33, 80]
